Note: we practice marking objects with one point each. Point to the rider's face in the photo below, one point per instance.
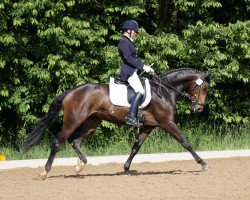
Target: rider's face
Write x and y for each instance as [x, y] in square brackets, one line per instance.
[133, 33]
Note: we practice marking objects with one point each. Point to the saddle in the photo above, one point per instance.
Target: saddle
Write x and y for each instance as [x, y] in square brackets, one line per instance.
[121, 93]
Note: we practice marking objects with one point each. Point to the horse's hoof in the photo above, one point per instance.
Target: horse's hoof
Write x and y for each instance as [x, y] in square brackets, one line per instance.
[39, 178]
[79, 167]
[42, 176]
[205, 167]
[127, 173]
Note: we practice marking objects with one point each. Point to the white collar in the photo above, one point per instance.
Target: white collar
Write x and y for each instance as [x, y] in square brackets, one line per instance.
[126, 35]
[131, 39]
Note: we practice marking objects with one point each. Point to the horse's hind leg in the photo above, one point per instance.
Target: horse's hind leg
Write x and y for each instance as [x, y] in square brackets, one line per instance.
[82, 158]
[74, 141]
[63, 136]
[137, 145]
[89, 126]
[54, 149]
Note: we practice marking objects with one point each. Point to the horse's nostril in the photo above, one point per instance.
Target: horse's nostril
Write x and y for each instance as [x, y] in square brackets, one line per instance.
[200, 109]
[197, 109]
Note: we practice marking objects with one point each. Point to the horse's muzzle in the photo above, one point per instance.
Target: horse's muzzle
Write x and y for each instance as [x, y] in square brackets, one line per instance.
[197, 107]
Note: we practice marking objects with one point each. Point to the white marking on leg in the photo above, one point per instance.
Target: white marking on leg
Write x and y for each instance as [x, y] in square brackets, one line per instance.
[79, 167]
[43, 175]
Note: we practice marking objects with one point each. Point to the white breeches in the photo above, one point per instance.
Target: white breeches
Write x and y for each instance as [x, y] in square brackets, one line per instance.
[135, 83]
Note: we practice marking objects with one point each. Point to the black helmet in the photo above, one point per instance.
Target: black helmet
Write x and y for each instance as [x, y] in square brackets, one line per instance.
[131, 24]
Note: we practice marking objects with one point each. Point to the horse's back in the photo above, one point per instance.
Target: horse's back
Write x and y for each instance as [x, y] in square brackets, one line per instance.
[87, 94]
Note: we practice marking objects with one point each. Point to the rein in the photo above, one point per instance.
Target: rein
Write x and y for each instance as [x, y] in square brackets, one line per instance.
[158, 82]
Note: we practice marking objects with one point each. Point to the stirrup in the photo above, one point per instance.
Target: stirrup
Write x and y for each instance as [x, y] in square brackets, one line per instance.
[134, 122]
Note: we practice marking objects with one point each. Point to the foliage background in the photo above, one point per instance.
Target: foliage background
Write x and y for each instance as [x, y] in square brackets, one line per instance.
[49, 46]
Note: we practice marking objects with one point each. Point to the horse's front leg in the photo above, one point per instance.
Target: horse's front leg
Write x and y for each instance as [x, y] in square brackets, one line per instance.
[143, 134]
[173, 130]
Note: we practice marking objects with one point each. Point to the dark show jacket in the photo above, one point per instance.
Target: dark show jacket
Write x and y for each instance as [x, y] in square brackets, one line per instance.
[127, 51]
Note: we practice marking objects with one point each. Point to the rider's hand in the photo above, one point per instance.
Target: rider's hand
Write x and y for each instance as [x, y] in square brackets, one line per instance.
[148, 69]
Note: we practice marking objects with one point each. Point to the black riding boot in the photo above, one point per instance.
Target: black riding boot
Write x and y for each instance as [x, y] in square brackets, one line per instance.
[132, 118]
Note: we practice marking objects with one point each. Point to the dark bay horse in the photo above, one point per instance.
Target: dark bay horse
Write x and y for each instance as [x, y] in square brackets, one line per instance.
[85, 107]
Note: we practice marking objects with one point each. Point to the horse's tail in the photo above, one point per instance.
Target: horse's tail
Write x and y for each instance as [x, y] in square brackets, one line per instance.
[45, 122]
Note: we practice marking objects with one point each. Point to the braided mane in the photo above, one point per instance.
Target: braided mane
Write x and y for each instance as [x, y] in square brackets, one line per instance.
[170, 76]
[178, 70]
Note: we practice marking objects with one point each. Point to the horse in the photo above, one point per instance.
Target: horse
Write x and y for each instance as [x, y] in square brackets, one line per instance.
[85, 106]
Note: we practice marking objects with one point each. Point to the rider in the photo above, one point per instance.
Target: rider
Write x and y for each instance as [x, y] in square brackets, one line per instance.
[130, 67]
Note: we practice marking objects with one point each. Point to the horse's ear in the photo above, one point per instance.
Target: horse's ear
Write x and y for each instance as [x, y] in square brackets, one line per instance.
[207, 78]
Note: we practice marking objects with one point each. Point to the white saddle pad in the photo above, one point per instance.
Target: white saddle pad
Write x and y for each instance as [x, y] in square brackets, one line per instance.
[118, 94]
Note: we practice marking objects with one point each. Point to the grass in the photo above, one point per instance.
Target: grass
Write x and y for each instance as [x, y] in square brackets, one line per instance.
[119, 141]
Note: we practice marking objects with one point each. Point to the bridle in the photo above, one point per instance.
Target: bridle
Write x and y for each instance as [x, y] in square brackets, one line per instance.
[186, 96]
[198, 88]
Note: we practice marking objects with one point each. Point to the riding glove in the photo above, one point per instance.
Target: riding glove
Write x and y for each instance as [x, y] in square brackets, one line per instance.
[148, 69]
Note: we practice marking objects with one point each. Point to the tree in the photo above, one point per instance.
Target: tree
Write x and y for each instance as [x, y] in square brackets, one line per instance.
[50, 46]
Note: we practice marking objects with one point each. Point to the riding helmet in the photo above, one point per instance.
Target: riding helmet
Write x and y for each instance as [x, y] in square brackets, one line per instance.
[131, 24]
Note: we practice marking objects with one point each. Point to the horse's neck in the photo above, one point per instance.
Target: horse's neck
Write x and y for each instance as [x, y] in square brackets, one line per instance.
[179, 81]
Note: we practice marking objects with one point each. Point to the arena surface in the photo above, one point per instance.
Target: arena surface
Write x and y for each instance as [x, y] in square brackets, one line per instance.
[228, 178]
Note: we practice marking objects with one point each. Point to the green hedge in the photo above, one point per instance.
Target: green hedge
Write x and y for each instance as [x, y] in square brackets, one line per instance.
[49, 46]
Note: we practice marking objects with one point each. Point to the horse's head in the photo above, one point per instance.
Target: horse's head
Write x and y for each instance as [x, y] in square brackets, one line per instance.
[187, 80]
[198, 92]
